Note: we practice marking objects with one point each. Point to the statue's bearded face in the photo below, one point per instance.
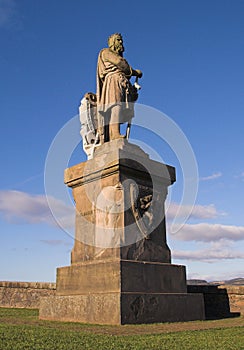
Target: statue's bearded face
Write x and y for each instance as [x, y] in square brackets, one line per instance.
[118, 44]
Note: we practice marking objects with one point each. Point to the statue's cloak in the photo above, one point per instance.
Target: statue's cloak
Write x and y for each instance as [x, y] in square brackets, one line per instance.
[113, 85]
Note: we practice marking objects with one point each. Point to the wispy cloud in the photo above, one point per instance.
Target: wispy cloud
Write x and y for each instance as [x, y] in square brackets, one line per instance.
[31, 178]
[18, 206]
[240, 176]
[205, 232]
[7, 12]
[207, 255]
[211, 177]
[198, 211]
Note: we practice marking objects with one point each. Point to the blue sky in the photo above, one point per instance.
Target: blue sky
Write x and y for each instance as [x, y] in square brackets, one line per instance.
[191, 54]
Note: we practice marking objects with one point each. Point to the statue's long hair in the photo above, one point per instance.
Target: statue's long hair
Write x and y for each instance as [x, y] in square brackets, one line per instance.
[111, 39]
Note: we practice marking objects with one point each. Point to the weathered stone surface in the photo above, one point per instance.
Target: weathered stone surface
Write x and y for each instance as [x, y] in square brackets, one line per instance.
[220, 301]
[24, 294]
[150, 277]
[120, 275]
[167, 307]
[90, 277]
[120, 196]
[87, 308]
[236, 297]
[123, 308]
[106, 163]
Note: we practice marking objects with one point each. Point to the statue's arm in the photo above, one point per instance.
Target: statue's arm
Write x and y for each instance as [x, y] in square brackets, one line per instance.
[121, 63]
[136, 73]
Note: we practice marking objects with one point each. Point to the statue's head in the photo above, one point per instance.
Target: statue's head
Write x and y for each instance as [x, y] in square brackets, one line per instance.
[115, 43]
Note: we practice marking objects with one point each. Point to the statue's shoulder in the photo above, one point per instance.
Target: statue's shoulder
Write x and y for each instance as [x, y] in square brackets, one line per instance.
[103, 50]
[106, 52]
[102, 53]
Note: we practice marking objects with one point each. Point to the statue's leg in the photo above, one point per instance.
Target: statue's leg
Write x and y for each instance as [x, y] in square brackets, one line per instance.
[114, 125]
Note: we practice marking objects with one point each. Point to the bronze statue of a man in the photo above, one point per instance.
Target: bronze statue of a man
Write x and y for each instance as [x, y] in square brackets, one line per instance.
[115, 93]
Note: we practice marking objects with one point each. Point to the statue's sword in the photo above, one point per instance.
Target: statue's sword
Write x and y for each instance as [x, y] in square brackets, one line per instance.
[138, 87]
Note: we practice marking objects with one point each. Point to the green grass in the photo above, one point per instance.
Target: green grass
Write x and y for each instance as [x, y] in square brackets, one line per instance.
[20, 329]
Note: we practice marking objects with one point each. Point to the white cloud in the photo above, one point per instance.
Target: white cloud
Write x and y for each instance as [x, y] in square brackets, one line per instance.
[205, 232]
[18, 206]
[211, 177]
[207, 255]
[198, 211]
[7, 12]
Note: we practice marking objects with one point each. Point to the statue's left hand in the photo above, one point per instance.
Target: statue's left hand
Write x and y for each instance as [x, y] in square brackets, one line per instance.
[139, 73]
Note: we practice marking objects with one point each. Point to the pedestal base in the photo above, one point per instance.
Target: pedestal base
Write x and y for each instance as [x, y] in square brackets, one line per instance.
[121, 269]
[123, 308]
[120, 292]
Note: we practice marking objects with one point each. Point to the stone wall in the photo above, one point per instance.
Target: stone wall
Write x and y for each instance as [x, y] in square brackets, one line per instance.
[24, 294]
[236, 297]
[219, 300]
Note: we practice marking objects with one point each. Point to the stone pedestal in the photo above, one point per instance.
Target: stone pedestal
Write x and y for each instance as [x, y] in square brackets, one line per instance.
[121, 269]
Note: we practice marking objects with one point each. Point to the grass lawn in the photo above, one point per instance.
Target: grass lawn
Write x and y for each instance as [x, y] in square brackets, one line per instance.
[21, 329]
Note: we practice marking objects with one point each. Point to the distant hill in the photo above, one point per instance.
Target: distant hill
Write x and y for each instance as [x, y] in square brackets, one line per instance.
[233, 282]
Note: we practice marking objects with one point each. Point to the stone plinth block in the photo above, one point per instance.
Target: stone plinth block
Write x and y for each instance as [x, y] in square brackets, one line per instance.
[87, 308]
[120, 292]
[123, 308]
[120, 276]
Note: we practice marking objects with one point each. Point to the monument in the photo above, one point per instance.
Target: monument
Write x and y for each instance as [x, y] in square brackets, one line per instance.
[121, 270]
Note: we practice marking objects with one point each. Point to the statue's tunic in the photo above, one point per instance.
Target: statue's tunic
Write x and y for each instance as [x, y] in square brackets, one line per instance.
[113, 85]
